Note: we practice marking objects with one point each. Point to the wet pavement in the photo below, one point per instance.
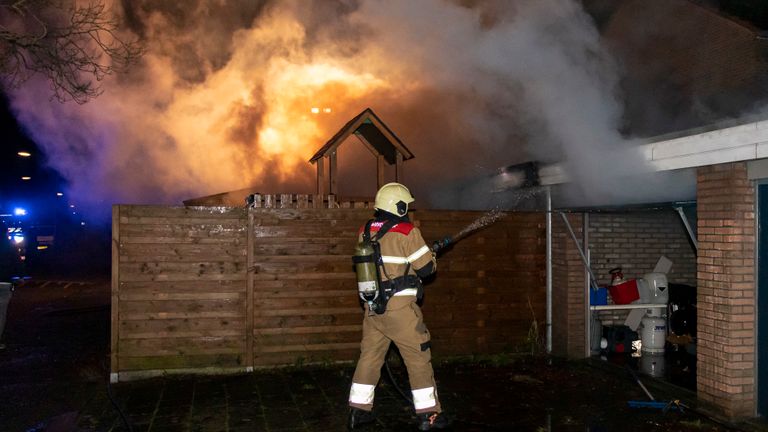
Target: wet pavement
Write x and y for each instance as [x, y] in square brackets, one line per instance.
[53, 377]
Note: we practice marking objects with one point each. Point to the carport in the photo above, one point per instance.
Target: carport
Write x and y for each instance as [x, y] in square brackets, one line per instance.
[731, 190]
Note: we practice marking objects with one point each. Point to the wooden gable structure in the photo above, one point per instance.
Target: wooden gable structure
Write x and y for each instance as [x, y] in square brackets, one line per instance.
[375, 136]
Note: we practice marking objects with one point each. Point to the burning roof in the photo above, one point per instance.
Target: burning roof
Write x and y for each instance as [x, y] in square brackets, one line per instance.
[371, 131]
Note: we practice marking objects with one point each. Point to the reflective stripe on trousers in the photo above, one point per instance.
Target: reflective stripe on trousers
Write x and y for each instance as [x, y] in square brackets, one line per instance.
[402, 324]
[424, 398]
[361, 394]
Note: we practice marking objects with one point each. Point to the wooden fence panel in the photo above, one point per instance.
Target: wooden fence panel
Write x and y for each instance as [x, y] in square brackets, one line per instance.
[180, 276]
[478, 302]
[304, 292]
[234, 288]
[305, 295]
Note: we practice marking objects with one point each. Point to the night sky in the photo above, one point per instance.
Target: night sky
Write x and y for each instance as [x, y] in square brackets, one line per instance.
[37, 195]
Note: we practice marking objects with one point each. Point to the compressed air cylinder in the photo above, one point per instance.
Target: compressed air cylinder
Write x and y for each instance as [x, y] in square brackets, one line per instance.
[365, 267]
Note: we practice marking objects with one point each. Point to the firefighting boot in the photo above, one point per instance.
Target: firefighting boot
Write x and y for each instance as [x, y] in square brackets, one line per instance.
[429, 421]
[358, 417]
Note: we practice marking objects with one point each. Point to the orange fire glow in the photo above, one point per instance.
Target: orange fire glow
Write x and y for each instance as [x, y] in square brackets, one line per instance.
[202, 118]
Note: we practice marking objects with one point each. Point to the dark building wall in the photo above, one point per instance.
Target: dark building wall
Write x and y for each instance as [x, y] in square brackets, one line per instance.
[682, 65]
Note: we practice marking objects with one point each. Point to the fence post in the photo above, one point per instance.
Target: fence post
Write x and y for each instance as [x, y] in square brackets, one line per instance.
[114, 367]
[249, 309]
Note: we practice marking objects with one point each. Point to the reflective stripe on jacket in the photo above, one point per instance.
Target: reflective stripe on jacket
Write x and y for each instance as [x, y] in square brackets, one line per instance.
[401, 245]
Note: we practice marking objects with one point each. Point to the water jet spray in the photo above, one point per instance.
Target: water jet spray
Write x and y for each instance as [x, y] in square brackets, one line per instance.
[483, 221]
[523, 178]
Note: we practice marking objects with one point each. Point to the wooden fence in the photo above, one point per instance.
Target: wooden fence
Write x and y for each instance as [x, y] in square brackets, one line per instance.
[218, 289]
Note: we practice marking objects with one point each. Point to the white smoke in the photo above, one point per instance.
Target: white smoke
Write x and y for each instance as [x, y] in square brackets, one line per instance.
[220, 101]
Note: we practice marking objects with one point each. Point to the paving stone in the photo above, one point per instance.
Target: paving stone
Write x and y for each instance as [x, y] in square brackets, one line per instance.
[44, 379]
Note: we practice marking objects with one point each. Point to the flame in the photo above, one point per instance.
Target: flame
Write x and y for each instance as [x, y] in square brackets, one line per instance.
[289, 133]
[201, 119]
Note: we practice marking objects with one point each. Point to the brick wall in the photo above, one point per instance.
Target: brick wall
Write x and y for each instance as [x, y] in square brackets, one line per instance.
[726, 289]
[705, 63]
[634, 241]
[631, 240]
[568, 290]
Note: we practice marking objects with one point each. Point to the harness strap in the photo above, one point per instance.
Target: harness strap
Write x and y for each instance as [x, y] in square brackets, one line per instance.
[388, 225]
[388, 287]
[402, 282]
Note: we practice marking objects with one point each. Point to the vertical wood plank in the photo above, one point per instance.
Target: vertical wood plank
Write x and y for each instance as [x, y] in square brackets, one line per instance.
[286, 201]
[256, 201]
[249, 309]
[321, 176]
[115, 279]
[333, 173]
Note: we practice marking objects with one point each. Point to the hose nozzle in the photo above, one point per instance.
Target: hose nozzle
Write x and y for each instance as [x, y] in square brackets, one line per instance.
[439, 245]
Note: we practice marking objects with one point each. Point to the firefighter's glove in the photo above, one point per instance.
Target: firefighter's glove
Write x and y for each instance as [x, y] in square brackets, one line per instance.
[441, 244]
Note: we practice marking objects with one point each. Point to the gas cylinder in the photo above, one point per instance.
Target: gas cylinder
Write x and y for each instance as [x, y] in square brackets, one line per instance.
[617, 277]
[654, 334]
[365, 267]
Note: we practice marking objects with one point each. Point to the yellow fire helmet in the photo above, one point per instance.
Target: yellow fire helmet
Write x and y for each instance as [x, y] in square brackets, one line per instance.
[393, 198]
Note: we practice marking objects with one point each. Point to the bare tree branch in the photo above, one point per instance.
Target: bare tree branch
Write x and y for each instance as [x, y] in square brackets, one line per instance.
[73, 46]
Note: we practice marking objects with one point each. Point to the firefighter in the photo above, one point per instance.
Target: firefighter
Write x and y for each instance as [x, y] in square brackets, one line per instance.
[394, 315]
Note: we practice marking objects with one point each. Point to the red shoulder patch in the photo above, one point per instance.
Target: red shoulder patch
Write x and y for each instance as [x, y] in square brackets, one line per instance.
[401, 228]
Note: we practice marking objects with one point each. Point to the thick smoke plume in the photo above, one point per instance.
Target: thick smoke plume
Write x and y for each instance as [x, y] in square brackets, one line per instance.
[223, 98]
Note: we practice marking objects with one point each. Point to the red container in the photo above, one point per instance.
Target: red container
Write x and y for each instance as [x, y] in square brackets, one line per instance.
[624, 293]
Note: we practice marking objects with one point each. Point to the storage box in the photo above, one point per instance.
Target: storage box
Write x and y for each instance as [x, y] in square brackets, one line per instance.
[624, 293]
[598, 297]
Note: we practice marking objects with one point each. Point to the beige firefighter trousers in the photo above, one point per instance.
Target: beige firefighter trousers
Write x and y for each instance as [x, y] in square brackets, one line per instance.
[403, 324]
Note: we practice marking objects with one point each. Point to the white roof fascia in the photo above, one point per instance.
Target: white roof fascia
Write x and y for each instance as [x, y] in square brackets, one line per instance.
[734, 144]
[738, 143]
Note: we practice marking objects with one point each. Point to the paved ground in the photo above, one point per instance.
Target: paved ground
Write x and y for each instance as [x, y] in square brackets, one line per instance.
[53, 377]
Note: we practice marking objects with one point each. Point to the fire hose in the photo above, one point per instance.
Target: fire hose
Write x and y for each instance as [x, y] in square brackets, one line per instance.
[439, 246]
[408, 399]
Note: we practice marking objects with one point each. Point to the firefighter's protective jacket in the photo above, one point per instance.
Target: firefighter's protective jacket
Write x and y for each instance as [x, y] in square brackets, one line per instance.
[402, 248]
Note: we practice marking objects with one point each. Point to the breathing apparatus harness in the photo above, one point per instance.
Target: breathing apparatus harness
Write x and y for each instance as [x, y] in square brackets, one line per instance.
[369, 267]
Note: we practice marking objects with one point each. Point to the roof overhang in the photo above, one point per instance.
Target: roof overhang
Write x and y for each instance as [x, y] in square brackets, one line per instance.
[745, 142]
